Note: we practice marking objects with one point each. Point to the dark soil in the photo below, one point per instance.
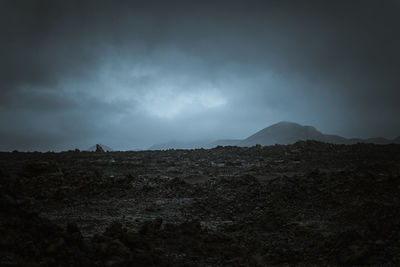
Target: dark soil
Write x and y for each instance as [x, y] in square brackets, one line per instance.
[307, 204]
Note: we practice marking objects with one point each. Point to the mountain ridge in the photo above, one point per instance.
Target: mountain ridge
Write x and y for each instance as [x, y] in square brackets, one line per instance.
[283, 133]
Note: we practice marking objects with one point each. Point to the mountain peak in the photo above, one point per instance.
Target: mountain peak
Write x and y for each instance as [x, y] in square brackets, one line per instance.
[283, 123]
[290, 124]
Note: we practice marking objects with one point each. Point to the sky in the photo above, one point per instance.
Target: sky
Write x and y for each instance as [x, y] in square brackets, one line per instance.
[130, 74]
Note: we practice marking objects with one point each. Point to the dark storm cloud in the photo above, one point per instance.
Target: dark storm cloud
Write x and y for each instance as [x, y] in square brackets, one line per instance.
[133, 73]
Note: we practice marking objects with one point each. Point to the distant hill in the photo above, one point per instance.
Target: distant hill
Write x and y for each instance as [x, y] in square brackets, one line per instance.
[282, 133]
[195, 144]
[336, 139]
[179, 145]
[289, 132]
[224, 142]
[105, 148]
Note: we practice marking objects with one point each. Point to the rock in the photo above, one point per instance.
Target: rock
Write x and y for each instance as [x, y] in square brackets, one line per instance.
[151, 226]
[115, 230]
[7, 202]
[115, 261]
[99, 149]
[53, 248]
[74, 234]
[117, 248]
[356, 255]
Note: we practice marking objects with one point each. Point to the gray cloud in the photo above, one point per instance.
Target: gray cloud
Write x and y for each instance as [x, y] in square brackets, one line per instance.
[133, 73]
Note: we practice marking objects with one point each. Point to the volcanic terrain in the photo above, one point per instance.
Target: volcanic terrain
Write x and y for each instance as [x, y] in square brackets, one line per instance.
[307, 204]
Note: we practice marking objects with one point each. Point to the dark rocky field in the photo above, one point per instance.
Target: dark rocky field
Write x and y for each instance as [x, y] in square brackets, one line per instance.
[307, 204]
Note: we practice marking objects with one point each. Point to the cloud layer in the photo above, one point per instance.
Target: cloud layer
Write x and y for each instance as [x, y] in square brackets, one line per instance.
[133, 73]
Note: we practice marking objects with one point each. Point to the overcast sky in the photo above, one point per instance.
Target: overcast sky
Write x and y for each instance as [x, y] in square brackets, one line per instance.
[129, 74]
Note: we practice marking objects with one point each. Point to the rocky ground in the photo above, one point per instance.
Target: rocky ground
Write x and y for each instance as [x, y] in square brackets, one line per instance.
[307, 204]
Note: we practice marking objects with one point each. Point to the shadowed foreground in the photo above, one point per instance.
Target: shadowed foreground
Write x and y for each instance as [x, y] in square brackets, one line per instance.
[306, 204]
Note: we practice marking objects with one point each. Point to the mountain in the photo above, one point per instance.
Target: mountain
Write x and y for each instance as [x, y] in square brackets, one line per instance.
[104, 147]
[283, 133]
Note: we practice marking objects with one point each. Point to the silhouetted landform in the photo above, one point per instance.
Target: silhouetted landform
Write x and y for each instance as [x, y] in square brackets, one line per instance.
[179, 145]
[285, 133]
[282, 133]
[97, 147]
[224, 142]
[306, 204]
[195, 144]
